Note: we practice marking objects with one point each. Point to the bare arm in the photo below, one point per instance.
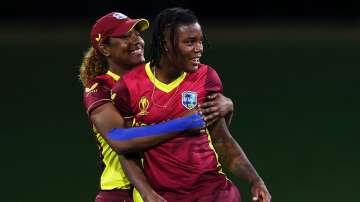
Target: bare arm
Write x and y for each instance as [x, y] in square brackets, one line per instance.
[132, 167]
[236, 160]
[106, 117]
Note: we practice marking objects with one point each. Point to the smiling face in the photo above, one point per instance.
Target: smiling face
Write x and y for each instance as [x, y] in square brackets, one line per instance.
[126, 51]
[188, 47]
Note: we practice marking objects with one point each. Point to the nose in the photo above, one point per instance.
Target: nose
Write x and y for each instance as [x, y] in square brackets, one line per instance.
[199, 47]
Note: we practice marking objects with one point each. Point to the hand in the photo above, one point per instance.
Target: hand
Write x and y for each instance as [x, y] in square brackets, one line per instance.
[197, 130]
[216, 107]
[260, 192]
[153, 197]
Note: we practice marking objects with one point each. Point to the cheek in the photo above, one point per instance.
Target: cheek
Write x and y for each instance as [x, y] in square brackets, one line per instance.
[121, 51]
[186, 51]
[185, 55]
[121, 47]
[120, 55]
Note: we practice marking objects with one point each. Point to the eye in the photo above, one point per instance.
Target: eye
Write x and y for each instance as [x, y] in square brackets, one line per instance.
[189, 42]
[201, 40]
[125, 36]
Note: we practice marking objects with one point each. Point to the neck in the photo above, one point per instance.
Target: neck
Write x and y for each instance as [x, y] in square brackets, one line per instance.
[166, 72]
[117, 69]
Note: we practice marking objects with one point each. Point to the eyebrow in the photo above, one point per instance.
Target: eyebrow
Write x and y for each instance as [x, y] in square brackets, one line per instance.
[194, 38]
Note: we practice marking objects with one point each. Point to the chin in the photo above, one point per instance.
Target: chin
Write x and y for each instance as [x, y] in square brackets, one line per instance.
[192, 69]
[138, 62]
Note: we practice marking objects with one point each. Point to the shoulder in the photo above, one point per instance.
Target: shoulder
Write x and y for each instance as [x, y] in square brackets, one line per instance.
[129, 79]
[137, 72]
[103, 77]
[96, 92]
[213, 82]
[203, 71]
[101, 80]
[211, 72]
[106, 80]
[207, 69]
[133, 80]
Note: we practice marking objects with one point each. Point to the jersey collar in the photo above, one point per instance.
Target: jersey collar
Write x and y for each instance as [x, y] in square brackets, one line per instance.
[113, 75]
[163, 86]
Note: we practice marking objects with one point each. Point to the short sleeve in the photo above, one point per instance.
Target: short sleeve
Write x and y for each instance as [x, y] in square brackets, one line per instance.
[96, 93]
[121, 98]
[213, 83]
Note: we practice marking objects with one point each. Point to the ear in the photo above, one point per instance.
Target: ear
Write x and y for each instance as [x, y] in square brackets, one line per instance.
[104, 49]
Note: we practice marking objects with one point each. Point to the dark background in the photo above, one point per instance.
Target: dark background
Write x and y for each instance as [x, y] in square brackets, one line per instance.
[291, 68]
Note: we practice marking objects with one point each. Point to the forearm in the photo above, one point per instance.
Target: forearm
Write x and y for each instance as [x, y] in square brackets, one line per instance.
[133, 170]
[237, 162]
[127, 140]
[140, 143]
[242, 167]
[105, 124]
[232, 154]
[110, 124]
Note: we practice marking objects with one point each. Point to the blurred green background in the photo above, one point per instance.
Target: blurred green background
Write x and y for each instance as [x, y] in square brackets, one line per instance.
[295, 87]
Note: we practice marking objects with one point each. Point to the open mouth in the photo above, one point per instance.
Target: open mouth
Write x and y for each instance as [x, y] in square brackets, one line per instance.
[137, 51]
[196, 60]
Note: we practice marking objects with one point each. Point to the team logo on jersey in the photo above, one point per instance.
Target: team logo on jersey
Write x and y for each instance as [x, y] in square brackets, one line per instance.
[119, 16]
[143, 106]
[189, 99]
[91, 89]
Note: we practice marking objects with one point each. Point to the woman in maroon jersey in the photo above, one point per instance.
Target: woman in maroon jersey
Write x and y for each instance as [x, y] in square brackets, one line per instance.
[116, 48]
[184, 168]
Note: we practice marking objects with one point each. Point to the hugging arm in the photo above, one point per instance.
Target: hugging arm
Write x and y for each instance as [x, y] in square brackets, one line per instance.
[107, 120]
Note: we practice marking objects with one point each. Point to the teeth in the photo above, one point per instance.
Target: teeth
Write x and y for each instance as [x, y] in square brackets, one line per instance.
[137, 51]
[197, 60]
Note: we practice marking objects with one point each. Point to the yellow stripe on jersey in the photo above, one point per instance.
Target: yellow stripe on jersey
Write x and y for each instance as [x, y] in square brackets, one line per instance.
[216, 155]
[136, 196]
[163, 86]
[113, 176]
[113, 75]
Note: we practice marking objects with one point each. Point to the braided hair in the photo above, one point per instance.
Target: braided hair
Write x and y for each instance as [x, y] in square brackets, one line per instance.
[168, 20]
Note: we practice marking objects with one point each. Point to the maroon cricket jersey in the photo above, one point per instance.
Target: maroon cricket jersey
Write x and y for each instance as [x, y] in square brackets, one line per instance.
[186, 166]
[96, 93]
